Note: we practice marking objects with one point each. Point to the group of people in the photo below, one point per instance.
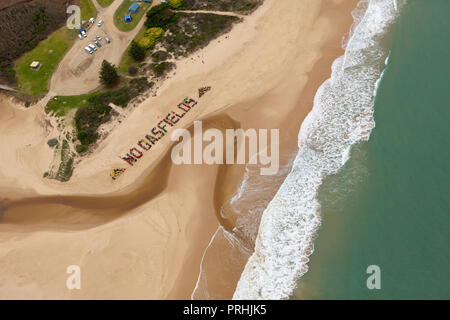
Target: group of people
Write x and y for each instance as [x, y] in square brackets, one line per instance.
[202, 91]
[116, 173]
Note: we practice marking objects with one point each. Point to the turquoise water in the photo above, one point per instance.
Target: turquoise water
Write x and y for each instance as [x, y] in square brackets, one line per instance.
[390, 206]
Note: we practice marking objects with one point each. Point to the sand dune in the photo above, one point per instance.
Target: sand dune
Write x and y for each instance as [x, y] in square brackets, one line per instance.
[144, 235]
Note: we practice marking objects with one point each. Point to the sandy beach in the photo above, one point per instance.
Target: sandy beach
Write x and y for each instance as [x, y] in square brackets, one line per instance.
[145, 235]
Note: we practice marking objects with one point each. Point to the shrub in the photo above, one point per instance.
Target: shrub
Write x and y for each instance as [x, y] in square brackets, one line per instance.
[87, 121]
[162, 68]
[152, 35]
[81, 148]
[108, 73]
[146, 43]
[52, 142]
[138, 85]
[160, 56]
[137, 52]
[132, 70]
[160, 16]
[176, 4]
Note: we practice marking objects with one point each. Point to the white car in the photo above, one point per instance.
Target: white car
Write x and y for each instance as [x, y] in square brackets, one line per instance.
[83, 33]
[100, 23]
[107, 40]
[89, 50]
[80, 36]
[91, 20]
[99, 38]
[94, 48]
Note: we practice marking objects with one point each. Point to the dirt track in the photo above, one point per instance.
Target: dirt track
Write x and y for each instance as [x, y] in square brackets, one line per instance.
[78, 72]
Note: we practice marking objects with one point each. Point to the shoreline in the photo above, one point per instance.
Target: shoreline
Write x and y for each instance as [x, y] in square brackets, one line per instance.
[169, 220]
[341, 117]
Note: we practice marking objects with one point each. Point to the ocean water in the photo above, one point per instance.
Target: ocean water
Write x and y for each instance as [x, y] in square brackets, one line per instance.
[390, 204]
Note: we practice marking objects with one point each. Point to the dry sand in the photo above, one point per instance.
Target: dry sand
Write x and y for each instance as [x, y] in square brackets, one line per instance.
[144, 235]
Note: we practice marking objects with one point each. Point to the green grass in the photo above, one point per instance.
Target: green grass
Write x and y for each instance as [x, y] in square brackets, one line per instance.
[87, 10]
[105, 3]
[49, 53]
[123, 9]
[71, 102]
[126, 60]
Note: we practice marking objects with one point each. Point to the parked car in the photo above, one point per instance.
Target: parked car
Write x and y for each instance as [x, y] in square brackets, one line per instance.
[97, 43]
[107, 40]
[89, 50]
[83, 33]
[100, 23]
[94, 48]
[99, 38]
[80, 36]
[91, 20]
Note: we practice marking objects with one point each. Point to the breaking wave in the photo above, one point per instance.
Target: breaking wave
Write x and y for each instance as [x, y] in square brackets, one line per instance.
[342, 115]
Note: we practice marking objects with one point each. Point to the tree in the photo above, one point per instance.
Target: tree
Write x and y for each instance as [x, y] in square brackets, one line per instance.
[108, 73]
[137, 52]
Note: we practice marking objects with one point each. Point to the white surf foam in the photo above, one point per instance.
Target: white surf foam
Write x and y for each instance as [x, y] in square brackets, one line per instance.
[342, 116]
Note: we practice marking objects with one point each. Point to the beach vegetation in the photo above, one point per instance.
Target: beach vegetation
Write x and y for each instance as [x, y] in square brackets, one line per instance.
[202, 27]
[241, 6]
[160, 55]
[151, 36]
[96, 109]
[137, 52]
[176, 4]
[65, 168]
[160, 69]
[61, 105]
[133, 70]
[160, 16]
[52, 142]
[87, 121]
[81, 148]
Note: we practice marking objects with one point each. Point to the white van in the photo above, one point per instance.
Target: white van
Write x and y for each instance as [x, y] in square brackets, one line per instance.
[92, 47]
[88, 50]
